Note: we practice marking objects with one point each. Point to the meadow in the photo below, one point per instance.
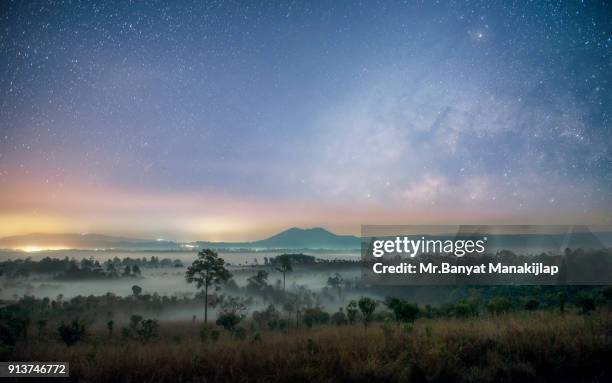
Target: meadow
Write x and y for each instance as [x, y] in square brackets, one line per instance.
[525, 346]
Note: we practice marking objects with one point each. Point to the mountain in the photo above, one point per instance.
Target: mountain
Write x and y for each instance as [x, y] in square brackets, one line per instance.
[294, 238]
[315, 238]
[83, 241]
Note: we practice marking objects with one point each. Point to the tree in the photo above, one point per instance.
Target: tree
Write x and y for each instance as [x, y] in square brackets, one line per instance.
[351, 312]
[335, 282]
[532, 304]
[71, 333]
[258, 282]
[13, 325]
[109, 325]
[229, 320]
[136, 290]
[586, 304]
[367, 307]
[315, 315]
[338, 318]
[41, 326]
[284, 266]
[607, 294]
[499, 305]
[562, 299]
[149, 329]
[206, 271]
[141, 329]
[404, 311]
[136, 270]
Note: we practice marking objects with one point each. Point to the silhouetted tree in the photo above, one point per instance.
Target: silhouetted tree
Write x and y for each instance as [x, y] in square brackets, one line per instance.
[335, 282]
[586, 304]
[228, 320]
[351, 312]
[71, 333]
[532, 304]
[208, 270]
[41, 326]
[284, 266]
[499, 305]
[110, 325]
[136, 270]
[136, 290]
[367, 307]
[404, 311]
[339, 318]
[258, 282]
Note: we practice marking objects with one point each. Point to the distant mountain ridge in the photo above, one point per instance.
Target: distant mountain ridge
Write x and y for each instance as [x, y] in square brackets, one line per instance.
[291, 239]
[294, 238]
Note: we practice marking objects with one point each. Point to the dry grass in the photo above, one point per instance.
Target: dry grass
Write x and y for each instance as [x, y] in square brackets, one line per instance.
[521, 347]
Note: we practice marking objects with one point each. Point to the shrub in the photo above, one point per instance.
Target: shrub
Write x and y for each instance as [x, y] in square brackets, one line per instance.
[269, 317]
[228, 320]
[148, 330]
[367, 307]
[351, 312]
[314, 316]
[339, 318]
[239, 333]
[71, 333]
[13, 324]
[532, 304]
[205, 332]
[498, 305]
[586, 304]
[142, 330]
[404, 311]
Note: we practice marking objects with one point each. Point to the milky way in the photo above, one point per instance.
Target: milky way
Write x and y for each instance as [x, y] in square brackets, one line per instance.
[235, 119]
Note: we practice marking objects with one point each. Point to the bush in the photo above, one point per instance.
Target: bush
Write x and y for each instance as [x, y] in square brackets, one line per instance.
[339, 319]
[228, 320]
[532, 304]
[267, 318]
[404, 311]
[351, 312]
[314, 316]
[586, 304]
[13, 324]
[148, 330]
[142, 330]
[239, 333]
[71, 333]
[367, 307]
[499, 305]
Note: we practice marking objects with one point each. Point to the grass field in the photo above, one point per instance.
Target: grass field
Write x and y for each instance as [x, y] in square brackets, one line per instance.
[537, 346]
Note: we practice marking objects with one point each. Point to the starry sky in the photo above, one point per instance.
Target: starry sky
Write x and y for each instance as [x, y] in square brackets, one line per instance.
[233, 120]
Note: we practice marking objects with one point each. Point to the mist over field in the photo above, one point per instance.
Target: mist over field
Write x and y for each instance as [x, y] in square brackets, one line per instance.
[169, 281]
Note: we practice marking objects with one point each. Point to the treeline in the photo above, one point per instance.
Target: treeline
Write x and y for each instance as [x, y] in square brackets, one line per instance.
[86, 268]
[71, 316]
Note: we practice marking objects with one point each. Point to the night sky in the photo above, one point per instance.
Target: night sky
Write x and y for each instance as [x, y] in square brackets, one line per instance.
[231, 120]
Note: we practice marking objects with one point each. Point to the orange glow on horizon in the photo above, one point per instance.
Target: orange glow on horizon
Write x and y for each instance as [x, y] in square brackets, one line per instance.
[36, 249]
[225, 217]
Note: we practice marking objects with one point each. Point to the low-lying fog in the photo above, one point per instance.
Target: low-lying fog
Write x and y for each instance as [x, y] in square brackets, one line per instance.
[164, 281]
